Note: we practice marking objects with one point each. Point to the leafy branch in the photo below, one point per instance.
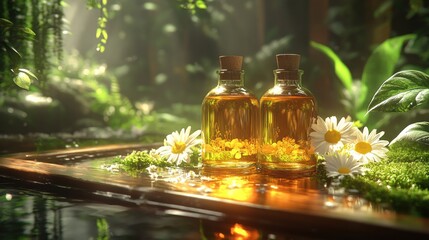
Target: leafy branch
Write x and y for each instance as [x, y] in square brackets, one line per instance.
[21, 77]
[101, 33]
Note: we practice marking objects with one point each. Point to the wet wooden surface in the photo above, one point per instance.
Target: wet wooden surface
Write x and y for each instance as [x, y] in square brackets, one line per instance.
[298, 205]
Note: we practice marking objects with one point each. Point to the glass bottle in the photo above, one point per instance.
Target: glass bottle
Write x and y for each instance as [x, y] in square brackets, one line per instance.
[287, 112]
[230, 122]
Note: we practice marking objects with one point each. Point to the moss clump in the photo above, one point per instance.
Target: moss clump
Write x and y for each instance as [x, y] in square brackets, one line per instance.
[137, 161]
[405, 175]
[401, 180]
[321, 173]
[406, 151]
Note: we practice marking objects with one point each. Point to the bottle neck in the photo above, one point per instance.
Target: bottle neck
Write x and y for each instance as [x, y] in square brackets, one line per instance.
[231, 78]
[287, 77]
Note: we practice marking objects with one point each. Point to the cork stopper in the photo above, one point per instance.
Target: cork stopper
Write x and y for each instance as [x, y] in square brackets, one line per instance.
[288, 66]
[288, 62]
[232, 63]
[230, 67]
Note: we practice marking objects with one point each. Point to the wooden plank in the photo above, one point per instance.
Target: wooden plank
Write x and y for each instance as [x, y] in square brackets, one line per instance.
[106, 150]
[294, 205]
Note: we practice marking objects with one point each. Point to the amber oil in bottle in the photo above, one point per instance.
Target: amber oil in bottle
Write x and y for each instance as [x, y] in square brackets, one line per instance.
[287, 112]
[230, 122]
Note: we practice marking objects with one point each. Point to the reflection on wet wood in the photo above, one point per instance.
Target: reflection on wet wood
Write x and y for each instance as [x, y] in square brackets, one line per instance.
[299, 205]
[74, 155]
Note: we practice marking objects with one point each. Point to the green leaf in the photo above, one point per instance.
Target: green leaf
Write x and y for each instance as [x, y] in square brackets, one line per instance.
[26, 32]
[403, 91]
[105, 13]
[102, 22]
[381, 65]
[91, 3]
[28, 72]
[201, 4]
[14, 56]
[98, 32]
[104, 33]
[22, 80]
[4, 23]
[382, 9]
[415, 7]
[101, 48]
[341, 70]
[416, 132]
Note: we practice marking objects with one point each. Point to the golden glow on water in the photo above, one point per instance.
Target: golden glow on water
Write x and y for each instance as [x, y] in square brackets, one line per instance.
[236, 188]
[230, 126]
[237, 232]
[286, 125]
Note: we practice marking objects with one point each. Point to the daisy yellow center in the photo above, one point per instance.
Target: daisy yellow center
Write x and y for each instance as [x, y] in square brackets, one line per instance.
[344, 170]
[363, 147]
[332, 136]
[178, 147]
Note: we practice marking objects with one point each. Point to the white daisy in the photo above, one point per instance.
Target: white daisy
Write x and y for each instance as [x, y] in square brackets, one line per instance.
[177, 146]
[342, 165]
[368, 147]
[329, 135]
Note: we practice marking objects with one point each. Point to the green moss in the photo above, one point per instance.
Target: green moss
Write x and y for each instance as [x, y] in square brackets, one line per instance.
[405, 151]
[401, 180]
[399, 174]
[137, 161]
[321, 172]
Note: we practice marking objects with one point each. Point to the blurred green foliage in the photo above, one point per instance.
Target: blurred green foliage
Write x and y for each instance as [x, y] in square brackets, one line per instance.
[67, 98]
[160, 58]
[103, 232]
[12, 215]
[98, 92]
[379, 67]
[21, 77]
